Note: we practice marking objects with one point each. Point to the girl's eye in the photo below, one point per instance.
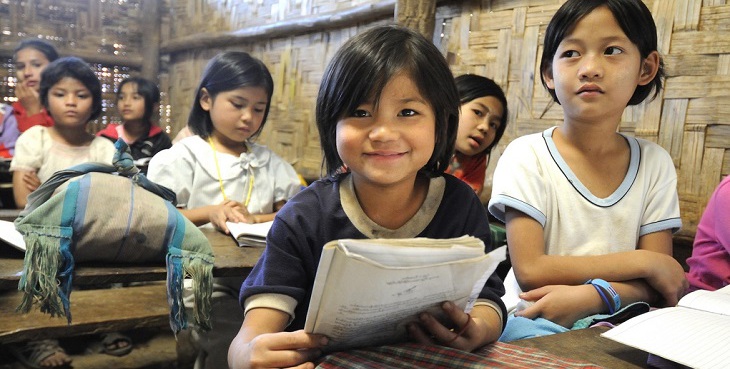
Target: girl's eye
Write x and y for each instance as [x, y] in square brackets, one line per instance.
[613, 50]
[83, 96]
[259, 110]
[478, 113]
[37, 65]
[407, 113]
[360, 113]
[569, 54]
[236, 105]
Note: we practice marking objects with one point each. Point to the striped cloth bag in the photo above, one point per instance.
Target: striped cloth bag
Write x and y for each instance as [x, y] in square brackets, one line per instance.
[100, 213]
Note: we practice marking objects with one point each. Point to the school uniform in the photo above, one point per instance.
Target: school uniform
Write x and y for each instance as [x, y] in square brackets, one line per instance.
[328, 210]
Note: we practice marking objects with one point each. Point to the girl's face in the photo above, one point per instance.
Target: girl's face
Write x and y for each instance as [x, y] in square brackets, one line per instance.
[29, 63]
[596, 68]
[130, 104]
[478, 123]
[236, 114]
[388, 143]
[70, 103]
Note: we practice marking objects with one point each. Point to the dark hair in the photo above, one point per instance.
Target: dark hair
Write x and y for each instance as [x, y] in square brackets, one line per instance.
[362, 67]
[145, 88]
[33, 43]
[228, 71]
[472, 86]
[633, 17]
[77, 69]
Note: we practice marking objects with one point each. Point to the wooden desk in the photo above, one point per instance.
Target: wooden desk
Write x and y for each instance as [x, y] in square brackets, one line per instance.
[230, 261]
[588, 345]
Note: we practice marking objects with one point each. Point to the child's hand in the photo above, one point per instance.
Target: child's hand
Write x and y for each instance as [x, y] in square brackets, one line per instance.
[283, 350]
[29, 98]
[562, 304]
[667, 277]
[469, 332]
[231, 211]
[31, 181]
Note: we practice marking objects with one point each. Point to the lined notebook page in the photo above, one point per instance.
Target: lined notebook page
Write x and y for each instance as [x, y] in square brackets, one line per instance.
[688, 336]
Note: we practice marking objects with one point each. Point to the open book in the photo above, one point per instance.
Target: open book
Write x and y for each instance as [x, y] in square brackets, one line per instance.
[694, 333]
[11, 236]
[366, 291]
[250, 234]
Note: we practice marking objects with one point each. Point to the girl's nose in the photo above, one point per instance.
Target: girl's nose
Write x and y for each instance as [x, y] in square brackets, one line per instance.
[590, 68]
[382, 131]
[70, 99]
[28, 71]
[246, 114]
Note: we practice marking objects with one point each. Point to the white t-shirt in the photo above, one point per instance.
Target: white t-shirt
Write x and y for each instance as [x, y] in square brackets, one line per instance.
[35, 150]
[533, 178]
[189, 169]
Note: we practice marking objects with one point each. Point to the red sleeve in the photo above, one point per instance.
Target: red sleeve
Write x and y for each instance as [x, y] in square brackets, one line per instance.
[25, 121]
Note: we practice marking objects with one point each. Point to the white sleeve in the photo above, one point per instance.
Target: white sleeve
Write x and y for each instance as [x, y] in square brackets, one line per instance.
[661, 207]
[173, 168]
[29, 150]
[519, 181]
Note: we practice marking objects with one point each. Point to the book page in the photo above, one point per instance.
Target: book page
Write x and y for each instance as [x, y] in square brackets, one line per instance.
[690, 337]
[356, 302]
[717, 302]
[249, 234]
[10, 235]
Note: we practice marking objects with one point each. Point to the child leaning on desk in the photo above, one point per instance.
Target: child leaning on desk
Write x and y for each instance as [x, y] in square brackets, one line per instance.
[219, 174]
[387, 114]
[589, 211]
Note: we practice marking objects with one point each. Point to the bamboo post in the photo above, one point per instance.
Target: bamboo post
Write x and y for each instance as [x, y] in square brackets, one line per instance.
[151, 39]
[419, 15]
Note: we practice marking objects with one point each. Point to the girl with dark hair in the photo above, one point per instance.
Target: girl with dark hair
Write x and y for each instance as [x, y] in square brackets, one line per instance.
[590, 211]
[71, 93]
[482, 122]
[30, 57]
[219, 174]
[387, 113]
[137, 100]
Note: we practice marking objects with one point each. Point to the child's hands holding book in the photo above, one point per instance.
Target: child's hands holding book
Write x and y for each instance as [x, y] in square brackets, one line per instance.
[471, 331]
[262, 344]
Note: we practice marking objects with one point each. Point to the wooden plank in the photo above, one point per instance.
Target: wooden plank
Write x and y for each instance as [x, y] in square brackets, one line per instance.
[93, 311]
[230, 261]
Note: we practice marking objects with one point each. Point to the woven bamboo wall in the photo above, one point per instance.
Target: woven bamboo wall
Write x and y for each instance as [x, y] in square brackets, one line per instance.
[501, 39]
[83, 28]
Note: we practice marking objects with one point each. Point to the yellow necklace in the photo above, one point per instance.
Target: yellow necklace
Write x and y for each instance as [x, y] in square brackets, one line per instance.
[220, 180]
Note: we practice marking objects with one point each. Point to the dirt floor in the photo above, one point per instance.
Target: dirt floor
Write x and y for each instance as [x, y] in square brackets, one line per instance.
[152, 350]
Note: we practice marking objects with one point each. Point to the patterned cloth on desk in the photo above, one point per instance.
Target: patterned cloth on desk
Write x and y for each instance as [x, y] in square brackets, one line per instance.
[418, 356]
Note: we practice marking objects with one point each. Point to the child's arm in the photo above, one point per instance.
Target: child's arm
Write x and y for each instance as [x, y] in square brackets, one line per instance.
[652, 263]
[471, 331]
[261, 343]
[24, 182]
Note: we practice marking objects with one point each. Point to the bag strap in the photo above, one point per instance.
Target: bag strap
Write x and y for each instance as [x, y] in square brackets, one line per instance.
[123, 165]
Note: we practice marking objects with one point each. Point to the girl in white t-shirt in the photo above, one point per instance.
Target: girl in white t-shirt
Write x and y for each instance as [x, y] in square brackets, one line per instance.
[589, 211]
[71, 93]
[219, 174]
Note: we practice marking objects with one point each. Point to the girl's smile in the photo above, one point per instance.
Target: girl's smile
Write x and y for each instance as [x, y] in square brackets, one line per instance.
[388, 141]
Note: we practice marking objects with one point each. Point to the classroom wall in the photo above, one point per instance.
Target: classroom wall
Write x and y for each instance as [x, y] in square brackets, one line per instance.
[107, 34]
[501, 39]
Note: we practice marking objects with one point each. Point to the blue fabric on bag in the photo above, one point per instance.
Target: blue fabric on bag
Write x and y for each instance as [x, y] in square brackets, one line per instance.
[85, 213]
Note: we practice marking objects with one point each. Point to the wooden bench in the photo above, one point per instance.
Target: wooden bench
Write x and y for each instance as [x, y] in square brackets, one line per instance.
[93, 311]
